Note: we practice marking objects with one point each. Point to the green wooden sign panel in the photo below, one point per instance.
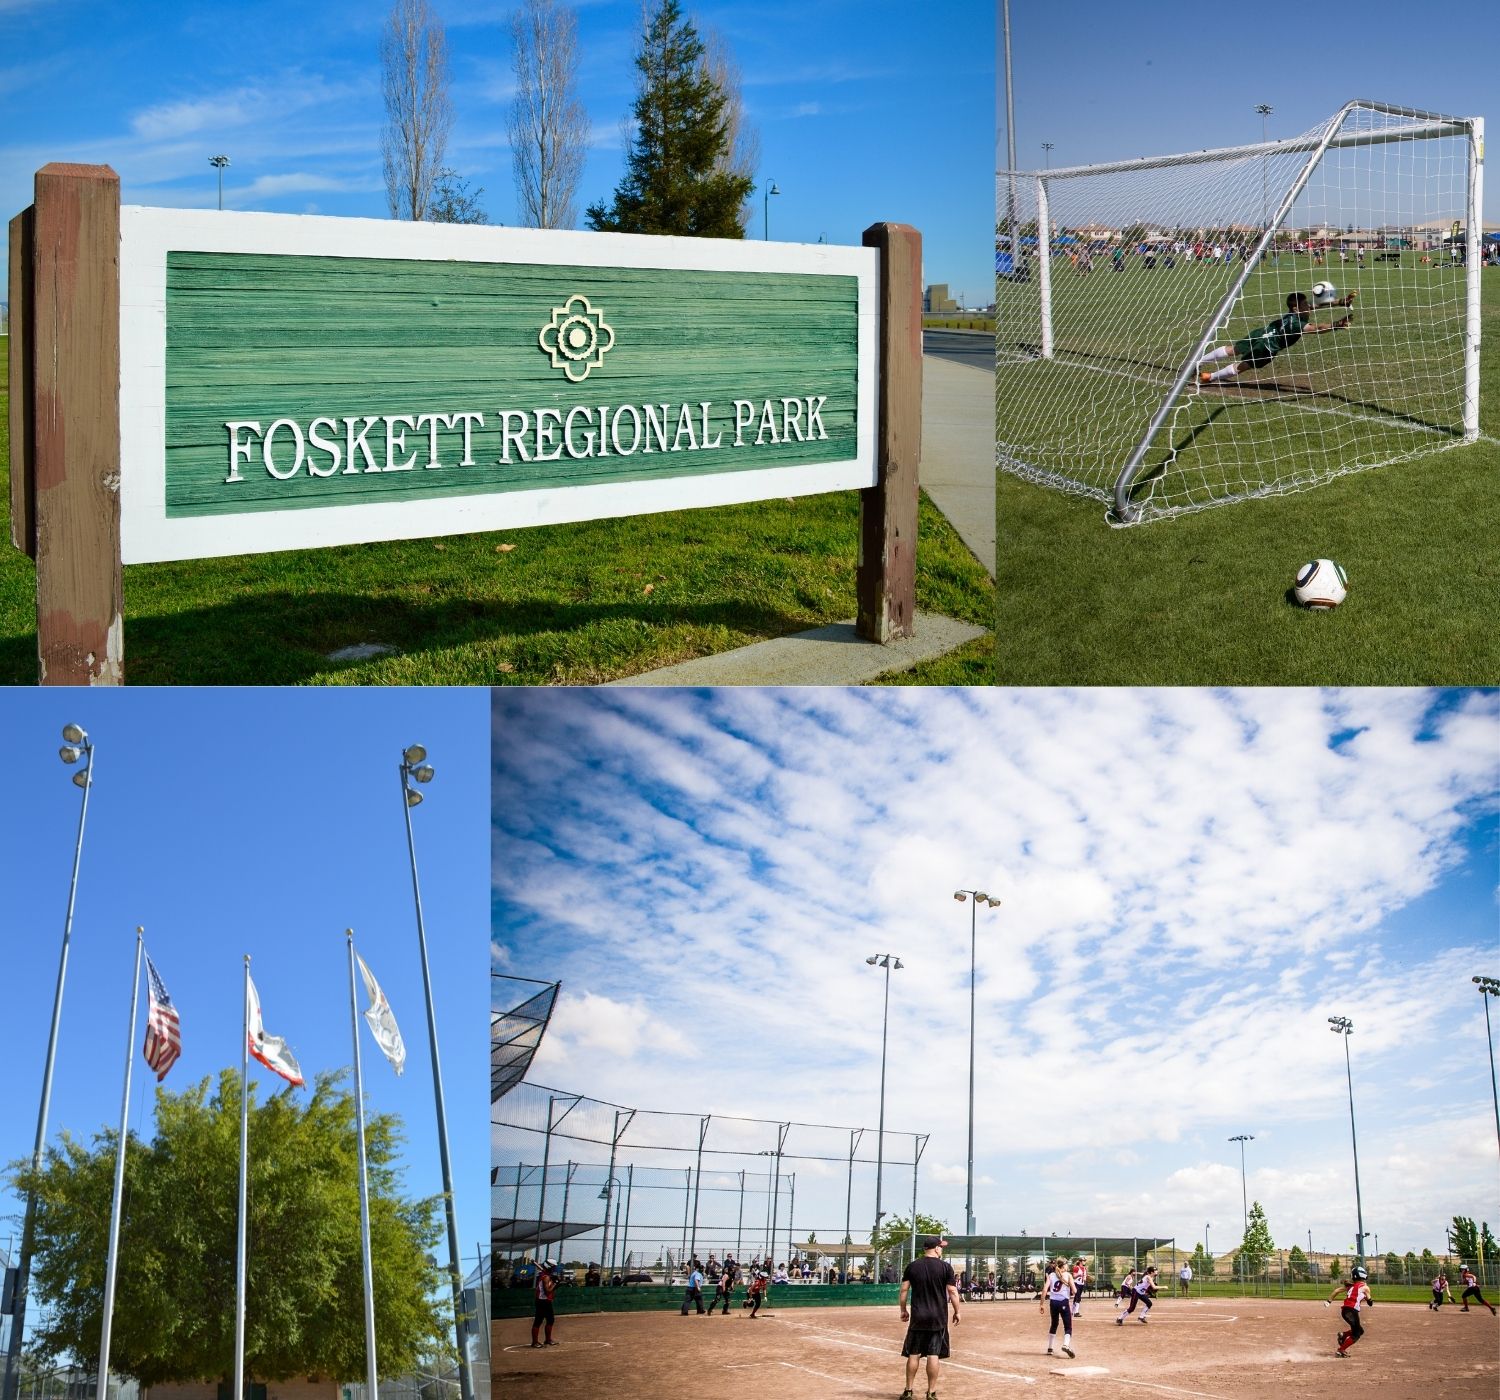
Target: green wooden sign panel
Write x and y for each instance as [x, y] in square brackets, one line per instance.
[296, 381]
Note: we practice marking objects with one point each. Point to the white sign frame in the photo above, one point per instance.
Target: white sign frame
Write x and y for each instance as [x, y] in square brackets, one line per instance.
[148, 535]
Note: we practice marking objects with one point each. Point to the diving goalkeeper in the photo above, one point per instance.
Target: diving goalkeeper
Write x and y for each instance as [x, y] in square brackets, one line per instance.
[1260, 347]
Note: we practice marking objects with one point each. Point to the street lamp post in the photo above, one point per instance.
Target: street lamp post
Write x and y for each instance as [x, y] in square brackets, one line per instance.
[978, 897]
[766, 215]
[1490, 987]
[1342, 1025]
[1208, 1258]
[890, 962]
[75, 746]
[1242, 1139]
[414, 765]
[1265, 109]
[218, 163]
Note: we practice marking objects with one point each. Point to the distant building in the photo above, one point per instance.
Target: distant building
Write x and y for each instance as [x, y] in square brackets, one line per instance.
[936, 301]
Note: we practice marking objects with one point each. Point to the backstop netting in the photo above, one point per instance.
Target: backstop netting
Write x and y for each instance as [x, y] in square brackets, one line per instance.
[1121, 287]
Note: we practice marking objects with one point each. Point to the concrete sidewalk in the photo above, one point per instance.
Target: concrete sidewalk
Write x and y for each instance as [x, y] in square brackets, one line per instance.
[958, 451]
[958, 474]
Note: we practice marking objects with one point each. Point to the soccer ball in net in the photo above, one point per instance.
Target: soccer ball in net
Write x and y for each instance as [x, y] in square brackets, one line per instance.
[1325, 293]
[1320, 584]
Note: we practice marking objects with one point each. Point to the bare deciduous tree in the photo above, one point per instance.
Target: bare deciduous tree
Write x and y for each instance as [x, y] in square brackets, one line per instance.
[418, 114]
[741, 154]
[549, 129]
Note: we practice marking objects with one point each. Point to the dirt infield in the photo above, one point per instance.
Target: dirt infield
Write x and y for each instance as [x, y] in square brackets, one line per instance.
[1215, 1349]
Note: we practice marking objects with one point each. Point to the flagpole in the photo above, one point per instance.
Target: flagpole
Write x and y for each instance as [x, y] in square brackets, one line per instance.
[11, 1385]
[412, 763]
[114, 1210]
[371, 1384]
[239, 1264]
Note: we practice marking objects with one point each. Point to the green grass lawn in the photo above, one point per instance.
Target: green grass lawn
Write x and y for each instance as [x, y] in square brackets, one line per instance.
[561, 604]
[1203, 598]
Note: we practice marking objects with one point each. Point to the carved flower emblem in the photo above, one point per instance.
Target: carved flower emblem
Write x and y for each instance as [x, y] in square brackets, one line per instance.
[576, 338]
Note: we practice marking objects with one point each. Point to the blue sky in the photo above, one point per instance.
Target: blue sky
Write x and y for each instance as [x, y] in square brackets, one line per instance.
[1126, 81]
[290, 91]
[247, 821]
[1192, 883]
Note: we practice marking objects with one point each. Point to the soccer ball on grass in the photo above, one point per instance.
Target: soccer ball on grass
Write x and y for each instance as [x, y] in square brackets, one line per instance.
[1324, 293]
[1321, 584]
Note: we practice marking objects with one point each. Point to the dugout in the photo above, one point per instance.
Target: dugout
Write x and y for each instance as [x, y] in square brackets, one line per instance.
[1009, 1257]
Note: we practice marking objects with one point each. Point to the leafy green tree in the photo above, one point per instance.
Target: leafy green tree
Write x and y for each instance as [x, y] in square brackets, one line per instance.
[1257, 1246]
[1409, 1266]
[895, 1234]
[1203, 1263]
[1429, 1264]
[1486, 1244]
[675, 181]
[453, 202]
[1392, 1266]
[175, 1290]
[1463, 1238]
[1335, 1269]
[1296, 1263]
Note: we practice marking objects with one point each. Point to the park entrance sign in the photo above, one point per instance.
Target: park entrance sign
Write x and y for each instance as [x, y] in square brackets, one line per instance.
[188, 384]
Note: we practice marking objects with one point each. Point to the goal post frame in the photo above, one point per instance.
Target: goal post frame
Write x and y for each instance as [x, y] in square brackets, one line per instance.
[1426, 126]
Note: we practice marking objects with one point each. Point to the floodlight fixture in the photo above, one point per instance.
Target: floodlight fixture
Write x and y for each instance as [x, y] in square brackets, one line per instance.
[81, 778]
[69, 754]
[75, 734]
[423, 774]
[414, 753]
[413, 798]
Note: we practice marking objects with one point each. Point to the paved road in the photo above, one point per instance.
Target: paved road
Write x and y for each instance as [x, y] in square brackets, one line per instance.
[975, 348]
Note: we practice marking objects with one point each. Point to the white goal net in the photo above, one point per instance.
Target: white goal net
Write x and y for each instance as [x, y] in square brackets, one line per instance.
[1152, 351]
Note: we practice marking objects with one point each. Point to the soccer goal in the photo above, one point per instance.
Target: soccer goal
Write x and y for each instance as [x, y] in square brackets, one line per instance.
[1151, 349]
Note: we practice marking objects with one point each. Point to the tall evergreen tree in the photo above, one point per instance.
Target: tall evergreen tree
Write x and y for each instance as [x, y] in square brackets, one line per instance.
[1296, 1262]
[675, 181]
[1257, 1246]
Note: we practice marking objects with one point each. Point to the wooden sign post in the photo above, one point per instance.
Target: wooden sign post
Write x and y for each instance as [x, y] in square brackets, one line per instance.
[191, 383]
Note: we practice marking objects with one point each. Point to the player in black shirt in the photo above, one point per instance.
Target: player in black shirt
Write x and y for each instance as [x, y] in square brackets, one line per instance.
[931, 1287]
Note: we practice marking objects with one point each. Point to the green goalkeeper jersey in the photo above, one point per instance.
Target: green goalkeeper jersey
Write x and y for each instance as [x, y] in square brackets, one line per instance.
[1260, 345]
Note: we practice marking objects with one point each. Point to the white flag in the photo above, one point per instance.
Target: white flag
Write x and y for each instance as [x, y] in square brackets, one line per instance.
[270, 1050]
[382, 1021]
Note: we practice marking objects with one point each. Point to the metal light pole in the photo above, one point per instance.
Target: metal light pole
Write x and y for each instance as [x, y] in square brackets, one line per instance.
[1242, 1139]
[414, 766]
[1010, 132]
[75, 746]
[889, 961]
[1342, 1025]
[979, 897]
[1490, 987]
[766, 203]
[1047, 154]
[1265, 109]
[218, 163]
[1208, 1258]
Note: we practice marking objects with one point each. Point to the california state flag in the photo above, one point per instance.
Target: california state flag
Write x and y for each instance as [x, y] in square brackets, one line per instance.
[270, 1050]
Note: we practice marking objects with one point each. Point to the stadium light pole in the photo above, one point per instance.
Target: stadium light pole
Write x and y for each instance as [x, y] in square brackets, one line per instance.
[1047, 155]
[1010, 131]
[414, 766]
[1490, 987]
[1343, 1026]
[765, 230]
[975, 898]
[890, 962]
[76, 745]
[1242, 1139]
[218, 163]
[1265, 109]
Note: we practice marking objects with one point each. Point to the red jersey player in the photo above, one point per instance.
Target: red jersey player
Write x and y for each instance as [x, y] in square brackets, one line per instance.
[1357, 1295]
[1471, 1286]
[545, 1287]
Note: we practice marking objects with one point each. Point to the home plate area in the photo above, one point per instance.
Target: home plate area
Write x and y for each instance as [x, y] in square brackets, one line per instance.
[1219, 1349]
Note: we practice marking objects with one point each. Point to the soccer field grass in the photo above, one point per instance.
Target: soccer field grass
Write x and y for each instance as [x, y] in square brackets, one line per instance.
[1203, 598]
[1213, 1349]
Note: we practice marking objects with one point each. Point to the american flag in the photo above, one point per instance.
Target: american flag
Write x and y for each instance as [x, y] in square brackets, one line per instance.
[163, 1032]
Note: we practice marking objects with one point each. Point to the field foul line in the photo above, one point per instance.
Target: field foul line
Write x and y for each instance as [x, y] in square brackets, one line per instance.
[1170, 1389]
[822, 1375]
[885, 1351]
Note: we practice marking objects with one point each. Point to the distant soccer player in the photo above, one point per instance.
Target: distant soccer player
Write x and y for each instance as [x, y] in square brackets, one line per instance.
[1059, 1302]
[1357, 1295]
[1260, 347]
[544, 1287]
[1145, 1286]
[931, 1287]
[1471, 1286]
